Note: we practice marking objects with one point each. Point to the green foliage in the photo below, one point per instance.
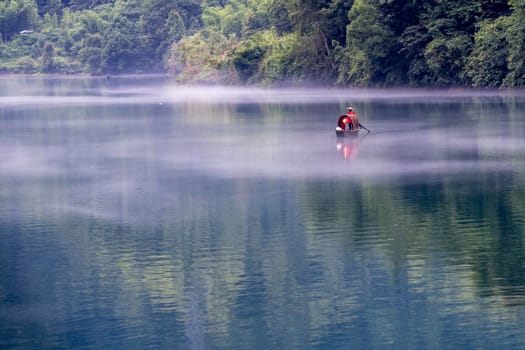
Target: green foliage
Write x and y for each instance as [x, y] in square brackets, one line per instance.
[154, 26]
[278, 65]
[321, 26]
[79, 5]
[370, 46]
[123, 49]
[354, 68]
[225, 20]
[203, 58]
[413, 42]
[90, 54]
[22, 45]
[241, 18]
[347, 42]
[25, 65]
[81, 38]
[48, 57]
[515, 36]
[246, 61]
[487, 64]
[446, 18]
[50, 7]
[446, 60]
[367, 42]
[17, 15]
[279, 17]
[96, 36]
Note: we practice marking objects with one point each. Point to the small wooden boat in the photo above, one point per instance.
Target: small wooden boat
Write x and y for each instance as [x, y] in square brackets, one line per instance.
[342, 133]
[347, 125]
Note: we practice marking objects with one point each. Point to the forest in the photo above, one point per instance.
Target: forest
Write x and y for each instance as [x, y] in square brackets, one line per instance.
[351, 43]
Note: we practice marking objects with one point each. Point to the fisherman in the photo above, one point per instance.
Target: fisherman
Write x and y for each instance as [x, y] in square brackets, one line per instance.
[354, 120]
[348, 122]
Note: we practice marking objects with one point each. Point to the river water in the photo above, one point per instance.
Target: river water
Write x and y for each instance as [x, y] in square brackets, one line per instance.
[136, 213]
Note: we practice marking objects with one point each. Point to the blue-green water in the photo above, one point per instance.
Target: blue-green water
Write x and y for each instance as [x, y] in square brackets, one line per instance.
[135, 214]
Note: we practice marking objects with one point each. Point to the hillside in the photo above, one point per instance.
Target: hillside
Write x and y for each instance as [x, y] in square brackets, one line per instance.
[272, 42]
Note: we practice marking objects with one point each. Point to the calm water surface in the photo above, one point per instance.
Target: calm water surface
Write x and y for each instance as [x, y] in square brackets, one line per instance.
[135, 214]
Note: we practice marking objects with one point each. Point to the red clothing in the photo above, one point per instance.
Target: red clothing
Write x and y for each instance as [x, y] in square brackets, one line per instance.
[348, 121]
[343, 120]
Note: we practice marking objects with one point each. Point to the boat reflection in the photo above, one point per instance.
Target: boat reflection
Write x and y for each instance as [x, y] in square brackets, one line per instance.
[349, 147]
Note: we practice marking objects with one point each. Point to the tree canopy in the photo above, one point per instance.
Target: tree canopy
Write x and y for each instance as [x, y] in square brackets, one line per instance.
[477, 43]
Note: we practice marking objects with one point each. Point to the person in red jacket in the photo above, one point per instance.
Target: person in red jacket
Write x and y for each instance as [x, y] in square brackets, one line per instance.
[348, 122]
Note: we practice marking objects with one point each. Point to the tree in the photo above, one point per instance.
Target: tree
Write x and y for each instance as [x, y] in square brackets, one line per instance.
[234, 18]
[124, 43]
[370, 46]
[247, 61]
[17, 15]
[160, 25]
[515, 36]
[78, 5]
[487, 64]
[120, 53]
[91, 52]
[446, 58]
[279, 18]
[202, 57]
[448, 30]
[47, 60]
[444, 18]
[247, 58]
[49, 7]
[413, 42]
[322, 27]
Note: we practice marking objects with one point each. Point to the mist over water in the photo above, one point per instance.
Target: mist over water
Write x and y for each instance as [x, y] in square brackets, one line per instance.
[138, 213]
[229, 131]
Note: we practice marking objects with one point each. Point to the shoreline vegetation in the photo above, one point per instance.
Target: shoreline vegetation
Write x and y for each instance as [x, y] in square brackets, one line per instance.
[344, 43]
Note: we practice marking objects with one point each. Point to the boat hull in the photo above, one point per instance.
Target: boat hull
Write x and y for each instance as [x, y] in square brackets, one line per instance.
[346, 133]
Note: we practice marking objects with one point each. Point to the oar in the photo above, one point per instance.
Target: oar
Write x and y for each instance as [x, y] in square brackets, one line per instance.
[361, 126]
